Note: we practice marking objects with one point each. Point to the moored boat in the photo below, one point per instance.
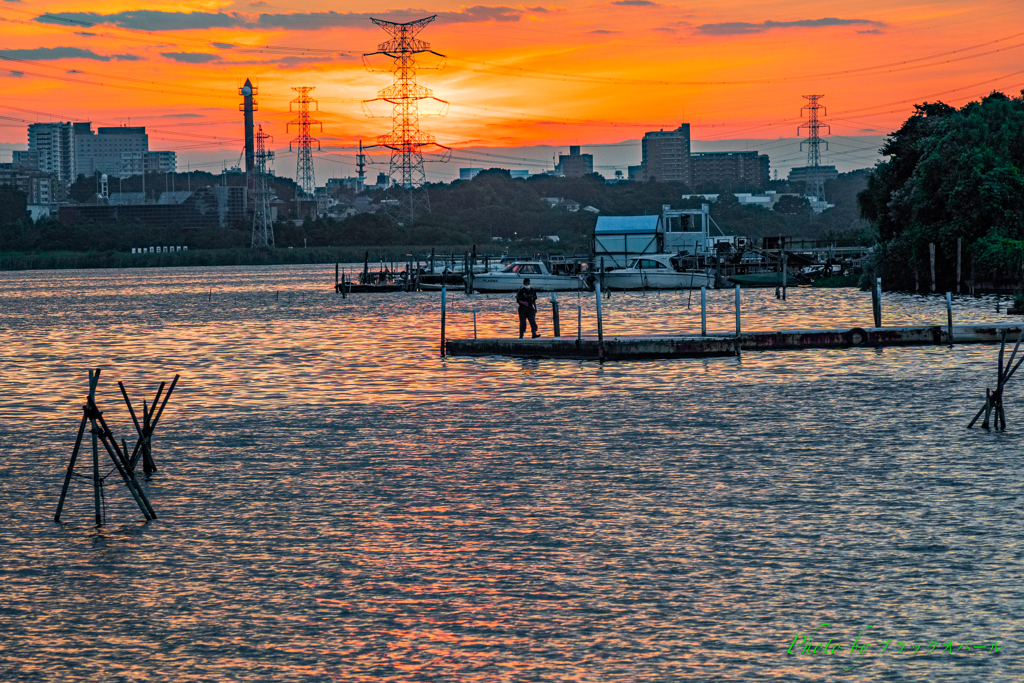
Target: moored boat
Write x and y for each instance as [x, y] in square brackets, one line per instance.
[541, 279]
[659, 271]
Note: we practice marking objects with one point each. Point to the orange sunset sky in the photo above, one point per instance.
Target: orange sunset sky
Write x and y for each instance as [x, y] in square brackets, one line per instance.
[574, 72]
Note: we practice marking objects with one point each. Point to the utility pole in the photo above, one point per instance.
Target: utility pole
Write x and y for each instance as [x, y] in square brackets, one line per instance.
[406, 141]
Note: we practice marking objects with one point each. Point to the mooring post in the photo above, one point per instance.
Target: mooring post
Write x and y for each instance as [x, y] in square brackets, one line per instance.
[474, 324]
[931, 256]
[71, 466]
[337, 267]
[878, 290]
[783, 276]
[737, 311]
[703, 311]
[470, 274]
[949, 318]
[444, 301]
[600, 275]
[959, 247]
[600, 328]
[554, 315]
[93, 380]
[579, 322]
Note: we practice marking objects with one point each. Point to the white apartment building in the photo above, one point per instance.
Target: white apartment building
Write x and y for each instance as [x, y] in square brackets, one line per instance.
[51, 149]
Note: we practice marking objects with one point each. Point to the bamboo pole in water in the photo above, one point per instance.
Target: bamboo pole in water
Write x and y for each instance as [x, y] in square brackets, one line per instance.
[93, 380]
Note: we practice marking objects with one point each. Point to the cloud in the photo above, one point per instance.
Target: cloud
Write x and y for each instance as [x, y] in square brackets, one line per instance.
[312, 21]
[734, 28]
[48, 53]
[127, 58]
[191, 57]
[75, 71]
[602, 32]
[181, 116]
[223, 46]
[636, 3]
[149, 20]
[153, 20]
[15, 74]
[874, 31]
[539, 9]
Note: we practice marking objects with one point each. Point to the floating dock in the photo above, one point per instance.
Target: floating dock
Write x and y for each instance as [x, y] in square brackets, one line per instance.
[688, 346]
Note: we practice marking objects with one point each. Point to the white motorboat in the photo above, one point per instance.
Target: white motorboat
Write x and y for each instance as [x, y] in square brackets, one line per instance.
[541, 279]
[659, 271]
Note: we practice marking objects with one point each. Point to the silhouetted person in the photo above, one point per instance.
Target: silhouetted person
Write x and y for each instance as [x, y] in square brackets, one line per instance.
[526, 297]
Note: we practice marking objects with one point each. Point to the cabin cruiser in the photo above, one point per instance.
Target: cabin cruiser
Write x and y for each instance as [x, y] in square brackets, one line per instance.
[660, 271]
[541, 279]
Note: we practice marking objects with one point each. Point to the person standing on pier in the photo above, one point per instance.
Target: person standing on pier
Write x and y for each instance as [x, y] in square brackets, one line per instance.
[526, 297]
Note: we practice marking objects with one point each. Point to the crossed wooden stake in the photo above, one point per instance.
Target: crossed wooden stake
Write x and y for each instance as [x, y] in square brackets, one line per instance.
[994, 399]
[123, 463]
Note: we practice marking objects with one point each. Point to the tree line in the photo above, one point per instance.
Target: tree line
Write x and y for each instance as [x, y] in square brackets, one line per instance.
[952, 175]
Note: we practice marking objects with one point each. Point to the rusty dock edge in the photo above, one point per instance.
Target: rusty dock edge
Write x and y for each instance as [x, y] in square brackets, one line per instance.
[687, 346]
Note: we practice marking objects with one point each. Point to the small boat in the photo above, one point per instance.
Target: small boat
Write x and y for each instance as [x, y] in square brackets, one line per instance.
[541, 279]
[660, 271]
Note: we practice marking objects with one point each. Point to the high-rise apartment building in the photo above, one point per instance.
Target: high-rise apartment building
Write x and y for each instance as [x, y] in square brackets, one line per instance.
[725, 171]
[665, 156]
[51, 149]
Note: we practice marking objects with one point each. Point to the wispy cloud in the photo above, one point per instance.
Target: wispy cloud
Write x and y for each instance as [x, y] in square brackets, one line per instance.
[733, 28]
[49, 53]
[153, 20]
[636, 3]
[191, 57]
[602, 32]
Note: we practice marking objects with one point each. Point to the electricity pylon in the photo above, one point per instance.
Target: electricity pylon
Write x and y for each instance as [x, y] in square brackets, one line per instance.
[406, 141]
[262, 225]
[815, 182]
[304, 167]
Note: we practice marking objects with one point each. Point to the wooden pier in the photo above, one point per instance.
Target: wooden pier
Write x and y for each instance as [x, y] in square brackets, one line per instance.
[696, 346]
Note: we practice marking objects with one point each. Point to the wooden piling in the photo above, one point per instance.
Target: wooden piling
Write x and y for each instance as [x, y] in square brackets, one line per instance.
[474, 324]
[600, 328]
[703, 311]
[469, 274]
[931, 256]
[579, 322]
[554, 315]
[337, 268]
[444, 301]
[949, 320]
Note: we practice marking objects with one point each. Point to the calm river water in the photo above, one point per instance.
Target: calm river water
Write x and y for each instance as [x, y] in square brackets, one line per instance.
[337, 503]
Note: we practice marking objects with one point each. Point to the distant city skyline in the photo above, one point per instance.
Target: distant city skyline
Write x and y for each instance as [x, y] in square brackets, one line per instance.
[517, 77]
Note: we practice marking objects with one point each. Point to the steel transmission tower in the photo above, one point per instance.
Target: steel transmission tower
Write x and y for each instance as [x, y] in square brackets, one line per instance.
[262, 225]
[406, 141]
[815, 182]
[304, 168]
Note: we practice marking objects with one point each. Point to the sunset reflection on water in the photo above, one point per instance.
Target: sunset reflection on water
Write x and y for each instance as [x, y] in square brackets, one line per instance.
[336, 502]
